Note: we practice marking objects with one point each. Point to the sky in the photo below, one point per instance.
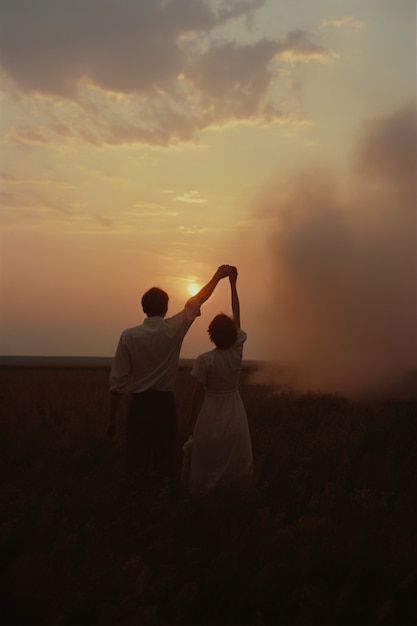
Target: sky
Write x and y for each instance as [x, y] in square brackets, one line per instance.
[145, 142]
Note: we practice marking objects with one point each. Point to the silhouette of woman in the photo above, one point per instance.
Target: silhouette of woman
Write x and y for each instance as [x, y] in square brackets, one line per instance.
[220, 449]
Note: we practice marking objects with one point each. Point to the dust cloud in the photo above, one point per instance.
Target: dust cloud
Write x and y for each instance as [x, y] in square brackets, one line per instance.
[341, 267]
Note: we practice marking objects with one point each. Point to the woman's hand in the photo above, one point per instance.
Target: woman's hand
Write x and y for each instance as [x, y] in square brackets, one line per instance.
[233, 274]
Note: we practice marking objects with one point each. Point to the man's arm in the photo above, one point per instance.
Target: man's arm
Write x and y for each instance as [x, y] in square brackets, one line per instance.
[235, 297]
[204, 294]
[119, 373]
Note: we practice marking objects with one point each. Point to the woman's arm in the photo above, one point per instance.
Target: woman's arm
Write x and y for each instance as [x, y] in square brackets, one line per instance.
[235, 297]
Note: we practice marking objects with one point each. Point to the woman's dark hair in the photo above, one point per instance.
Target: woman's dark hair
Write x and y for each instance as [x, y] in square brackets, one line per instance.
[222, 331]
[155, 302]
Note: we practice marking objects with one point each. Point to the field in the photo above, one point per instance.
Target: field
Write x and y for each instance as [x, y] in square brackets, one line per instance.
[325, 532]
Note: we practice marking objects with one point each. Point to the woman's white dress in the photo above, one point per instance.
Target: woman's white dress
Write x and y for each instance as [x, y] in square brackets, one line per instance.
[220, 447]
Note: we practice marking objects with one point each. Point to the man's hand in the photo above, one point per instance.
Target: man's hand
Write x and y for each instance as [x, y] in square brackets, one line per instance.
[223, 271]
[233, 274]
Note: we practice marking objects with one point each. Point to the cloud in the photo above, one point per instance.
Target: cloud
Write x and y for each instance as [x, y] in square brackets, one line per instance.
[8, 178]
[342, 265]
[27, 205]
[33, 200]
[24, 137]
[191, 197]
[299, 46]
[129, 47]
[232, 78]
[192, 230]
[339, 22]
[105, 222]
[148, 209]
[153, 72]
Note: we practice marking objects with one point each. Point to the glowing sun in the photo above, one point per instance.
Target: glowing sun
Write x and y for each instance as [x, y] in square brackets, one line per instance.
[193, 288]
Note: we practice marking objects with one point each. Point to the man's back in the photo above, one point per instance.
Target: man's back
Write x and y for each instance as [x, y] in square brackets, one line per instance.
[147, 355]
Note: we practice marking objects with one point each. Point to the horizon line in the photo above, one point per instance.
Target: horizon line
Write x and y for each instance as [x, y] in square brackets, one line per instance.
[11, 359]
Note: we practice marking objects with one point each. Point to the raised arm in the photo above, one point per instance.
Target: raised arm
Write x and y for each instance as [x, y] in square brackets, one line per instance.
[204, 294]
[235, 297]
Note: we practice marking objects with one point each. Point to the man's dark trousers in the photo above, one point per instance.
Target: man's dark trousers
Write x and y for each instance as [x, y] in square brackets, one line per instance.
[151, 433]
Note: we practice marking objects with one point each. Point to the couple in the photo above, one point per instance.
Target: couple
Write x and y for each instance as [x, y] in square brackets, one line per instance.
[146, 365]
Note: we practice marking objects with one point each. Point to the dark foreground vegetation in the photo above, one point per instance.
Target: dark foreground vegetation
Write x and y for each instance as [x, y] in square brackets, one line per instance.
[324, 534]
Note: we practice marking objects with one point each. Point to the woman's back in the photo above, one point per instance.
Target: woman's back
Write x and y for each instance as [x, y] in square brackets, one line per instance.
[219, 370]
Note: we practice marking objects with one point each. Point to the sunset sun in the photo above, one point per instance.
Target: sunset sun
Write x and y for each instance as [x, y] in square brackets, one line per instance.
[193, 288]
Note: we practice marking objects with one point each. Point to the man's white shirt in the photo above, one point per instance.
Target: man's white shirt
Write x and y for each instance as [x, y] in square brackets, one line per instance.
[147, 355]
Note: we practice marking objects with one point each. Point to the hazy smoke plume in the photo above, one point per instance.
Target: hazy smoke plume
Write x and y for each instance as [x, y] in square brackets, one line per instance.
[342, 257]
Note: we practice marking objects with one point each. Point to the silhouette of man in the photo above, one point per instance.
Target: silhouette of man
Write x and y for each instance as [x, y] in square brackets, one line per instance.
[145, 365]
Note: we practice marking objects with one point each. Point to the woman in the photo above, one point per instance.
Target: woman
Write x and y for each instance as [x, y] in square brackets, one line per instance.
[220, 447]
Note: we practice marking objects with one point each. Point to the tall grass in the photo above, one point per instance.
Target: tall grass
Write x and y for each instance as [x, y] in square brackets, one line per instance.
[324, 533]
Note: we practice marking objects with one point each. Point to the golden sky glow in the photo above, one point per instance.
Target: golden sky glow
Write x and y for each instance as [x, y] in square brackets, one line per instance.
[145, 143]
[193, 288]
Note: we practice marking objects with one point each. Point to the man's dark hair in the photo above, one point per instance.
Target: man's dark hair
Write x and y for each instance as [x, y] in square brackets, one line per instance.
[155, 302]
[222, 331]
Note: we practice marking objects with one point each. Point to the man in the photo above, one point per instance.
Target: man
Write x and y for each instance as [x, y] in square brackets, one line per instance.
[145, 365]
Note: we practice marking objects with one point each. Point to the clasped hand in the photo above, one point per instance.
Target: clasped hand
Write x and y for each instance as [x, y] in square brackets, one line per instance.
[227, 270]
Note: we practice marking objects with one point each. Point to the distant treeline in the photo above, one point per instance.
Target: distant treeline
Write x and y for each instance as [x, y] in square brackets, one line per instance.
[55, 361]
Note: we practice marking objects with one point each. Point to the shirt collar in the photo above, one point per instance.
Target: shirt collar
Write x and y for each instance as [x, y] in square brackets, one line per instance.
[153, 319]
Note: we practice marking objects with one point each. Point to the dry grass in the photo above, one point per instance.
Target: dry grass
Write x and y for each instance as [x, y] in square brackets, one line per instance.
[325, 533]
